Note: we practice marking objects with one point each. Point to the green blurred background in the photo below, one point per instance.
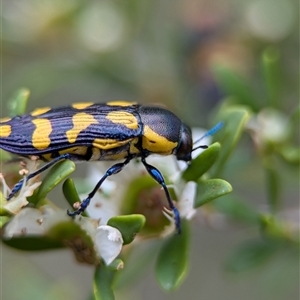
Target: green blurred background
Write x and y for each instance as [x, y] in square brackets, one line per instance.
[156, 52]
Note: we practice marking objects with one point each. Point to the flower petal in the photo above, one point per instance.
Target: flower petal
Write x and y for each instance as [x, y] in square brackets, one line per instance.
[186, 203]
[102, 208]
[53, 216]
[25, 223]
[15, 204]
[108, 242]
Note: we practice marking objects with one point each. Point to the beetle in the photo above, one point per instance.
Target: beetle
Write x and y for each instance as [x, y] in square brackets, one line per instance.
[115, 130]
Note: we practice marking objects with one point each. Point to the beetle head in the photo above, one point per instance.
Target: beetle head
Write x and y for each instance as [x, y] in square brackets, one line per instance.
[185, 147]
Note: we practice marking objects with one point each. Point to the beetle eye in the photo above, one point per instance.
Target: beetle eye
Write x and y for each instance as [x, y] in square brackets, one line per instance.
[185, 147]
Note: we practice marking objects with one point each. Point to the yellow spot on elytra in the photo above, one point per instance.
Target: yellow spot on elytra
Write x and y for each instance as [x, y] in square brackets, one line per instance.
[5, 131]
[82, 105]
[40, 136]
[124, 118]
[81, 121]
[106, 144]
[120, 103]
[40, 111]
[4, 120]
[156, 143]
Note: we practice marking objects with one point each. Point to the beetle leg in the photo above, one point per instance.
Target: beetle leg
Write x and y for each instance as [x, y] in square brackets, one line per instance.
[111, 171]
[157, 176]
[18, 186]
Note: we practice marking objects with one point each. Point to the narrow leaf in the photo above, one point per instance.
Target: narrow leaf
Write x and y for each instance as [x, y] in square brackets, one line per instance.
[3, 201]
[290, 154]
[129, 226]
[271, 72]
[116, 265]
[211, 189]
[77, 238]
[272, 184]
[235, 118]
[202, 163]
[3, 220]
[102, 283]
[236, 209]
[32, 243]
[70, 192]
[4, 156]
[57, 174]
[17, 105]
[235, 85]
[172, 262]
[250, 255]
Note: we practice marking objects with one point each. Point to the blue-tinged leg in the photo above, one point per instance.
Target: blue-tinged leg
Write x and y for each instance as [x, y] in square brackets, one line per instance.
[157, 176]
[111, 171]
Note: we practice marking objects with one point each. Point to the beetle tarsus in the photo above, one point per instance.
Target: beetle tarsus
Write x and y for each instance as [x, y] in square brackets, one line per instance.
[84, 204]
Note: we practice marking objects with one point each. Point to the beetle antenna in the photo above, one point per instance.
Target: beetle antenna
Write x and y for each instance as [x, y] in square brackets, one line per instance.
[210, 132]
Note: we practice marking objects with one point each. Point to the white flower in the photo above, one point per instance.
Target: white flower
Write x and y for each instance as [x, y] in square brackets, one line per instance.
[25, 223]
[39, 221]
[109, 242]
[34, 222]
[186, 200]
[268, 126]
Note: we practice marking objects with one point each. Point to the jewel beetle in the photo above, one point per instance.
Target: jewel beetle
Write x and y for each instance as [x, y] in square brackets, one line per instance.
[115, 130]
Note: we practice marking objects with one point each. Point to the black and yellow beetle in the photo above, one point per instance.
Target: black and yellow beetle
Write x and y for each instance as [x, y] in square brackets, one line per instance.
[94, 132]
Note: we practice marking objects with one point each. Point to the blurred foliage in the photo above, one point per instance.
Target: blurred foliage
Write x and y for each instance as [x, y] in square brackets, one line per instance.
[228, 60]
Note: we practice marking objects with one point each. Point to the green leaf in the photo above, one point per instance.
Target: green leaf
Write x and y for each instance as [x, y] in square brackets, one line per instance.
[250, 255]
[208, 190]
[33, 243]
[135, 258]
[235, 118]
[172, 261]
[202, 163]
[57, 174]
[272, 183]
[3, 220]
[4, 156]
[271, 72]
[116, 265]
[17, 105]
[3, 201]
[277, 230]
[294, 117]
[290, 154]
[234, 85]
[70, 193]
[67, 229]
[74, 236]
[236, 209]
[62, 234]
[102, 283]
[129, 226]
